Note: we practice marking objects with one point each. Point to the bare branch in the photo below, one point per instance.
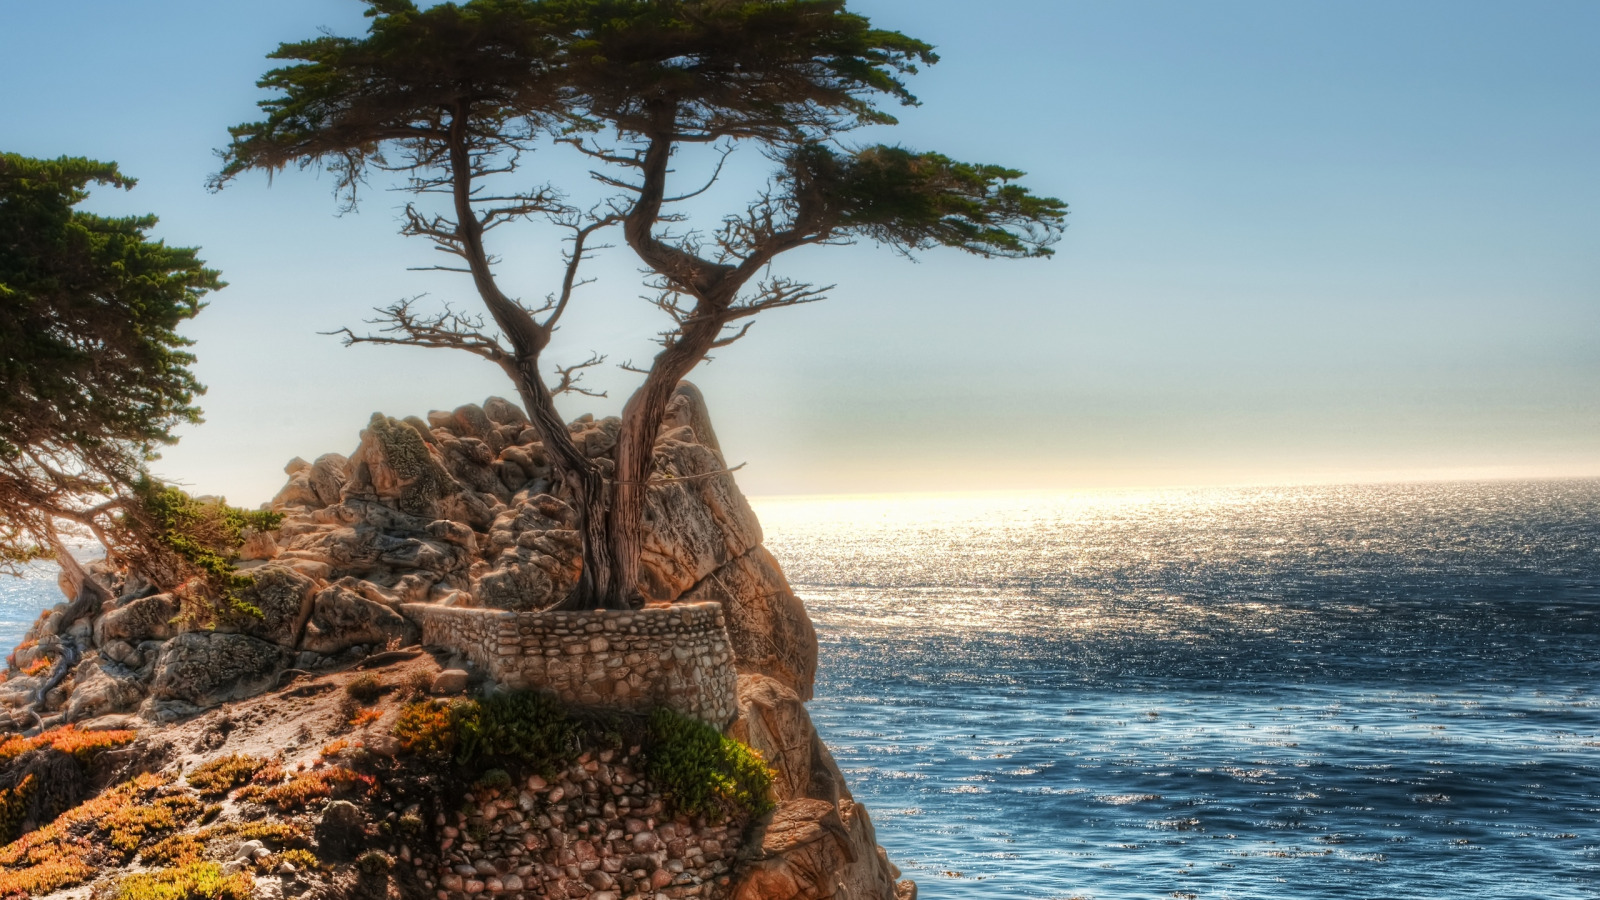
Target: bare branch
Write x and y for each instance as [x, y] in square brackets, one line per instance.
[726, 150]
[571, 375]
[594, 152]
[723, 342]
[612, 182]
[399, 325]
[575, 258]
[775, 293]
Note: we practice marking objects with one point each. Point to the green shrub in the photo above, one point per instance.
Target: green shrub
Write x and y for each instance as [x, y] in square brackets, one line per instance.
[424, 728]
[527, 726]
[190, 535]
[699, 769]
[524, 725]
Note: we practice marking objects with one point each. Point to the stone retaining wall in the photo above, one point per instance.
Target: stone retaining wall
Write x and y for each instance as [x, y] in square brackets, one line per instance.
[675, 656]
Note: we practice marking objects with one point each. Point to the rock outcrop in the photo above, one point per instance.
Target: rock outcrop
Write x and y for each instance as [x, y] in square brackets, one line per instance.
[461, 510]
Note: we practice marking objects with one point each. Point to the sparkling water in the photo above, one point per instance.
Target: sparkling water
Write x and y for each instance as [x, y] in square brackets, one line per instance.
[1329, 692]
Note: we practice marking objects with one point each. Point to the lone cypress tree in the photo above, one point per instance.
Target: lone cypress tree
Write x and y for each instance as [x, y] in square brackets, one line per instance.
[461, 92]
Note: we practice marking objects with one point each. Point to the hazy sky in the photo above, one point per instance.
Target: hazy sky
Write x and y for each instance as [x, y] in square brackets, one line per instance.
[1308, 241]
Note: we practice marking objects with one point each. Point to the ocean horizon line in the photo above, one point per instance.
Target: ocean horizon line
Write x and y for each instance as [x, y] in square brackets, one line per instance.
[1351, 480]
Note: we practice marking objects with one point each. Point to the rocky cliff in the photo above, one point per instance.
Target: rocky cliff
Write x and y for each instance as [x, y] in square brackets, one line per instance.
[458, 510]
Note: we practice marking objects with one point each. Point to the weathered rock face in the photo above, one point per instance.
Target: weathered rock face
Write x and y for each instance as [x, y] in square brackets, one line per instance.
[143, 619]
[104, 687]
[205, 669]
[341, 618]
[767, 623]
[696, 521]
[820, 843]
[283, 598]
[395, 465]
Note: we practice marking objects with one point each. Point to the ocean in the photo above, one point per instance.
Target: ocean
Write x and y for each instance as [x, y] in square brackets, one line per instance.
[1382, 691]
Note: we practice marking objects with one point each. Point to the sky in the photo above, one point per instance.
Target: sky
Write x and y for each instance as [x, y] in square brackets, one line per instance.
[1308, 242]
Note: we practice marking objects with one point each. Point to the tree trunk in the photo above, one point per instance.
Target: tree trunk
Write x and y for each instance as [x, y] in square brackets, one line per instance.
[594, 590]
[528, 340]
[641, 423]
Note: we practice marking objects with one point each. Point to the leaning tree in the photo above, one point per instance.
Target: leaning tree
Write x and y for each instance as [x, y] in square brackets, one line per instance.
[94, 376]
[462, 92]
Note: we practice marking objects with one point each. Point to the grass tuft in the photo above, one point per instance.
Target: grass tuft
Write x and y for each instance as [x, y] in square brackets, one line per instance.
[195, 881]
[225, 773]
[305, 787]
[83, 745]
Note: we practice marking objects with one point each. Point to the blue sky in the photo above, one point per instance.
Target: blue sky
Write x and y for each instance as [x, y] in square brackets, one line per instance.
[1309, 241]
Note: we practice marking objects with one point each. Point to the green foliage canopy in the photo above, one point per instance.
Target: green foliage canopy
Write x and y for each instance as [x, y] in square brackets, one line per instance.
[94, 375]
[481, 73]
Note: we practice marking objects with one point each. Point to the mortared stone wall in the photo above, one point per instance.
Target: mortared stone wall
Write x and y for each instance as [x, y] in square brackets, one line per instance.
[675, 656]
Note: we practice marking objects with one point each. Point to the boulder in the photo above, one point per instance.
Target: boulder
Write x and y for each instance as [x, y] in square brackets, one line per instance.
[341, 618]
[205, 669]
[118, 722]
[811, 850]
[503, 412]
[19, 690]
[773, 720]
[768, 627]
[820, 843]
[147, 618]
[804, 850]
[258, 545]
[449, 681]
[520, 581]
[102, 689]
[327, 477]
[470, 420]
[394, 465]
[283, 597]
[419, 553]
[298, 492]
[687, 408]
